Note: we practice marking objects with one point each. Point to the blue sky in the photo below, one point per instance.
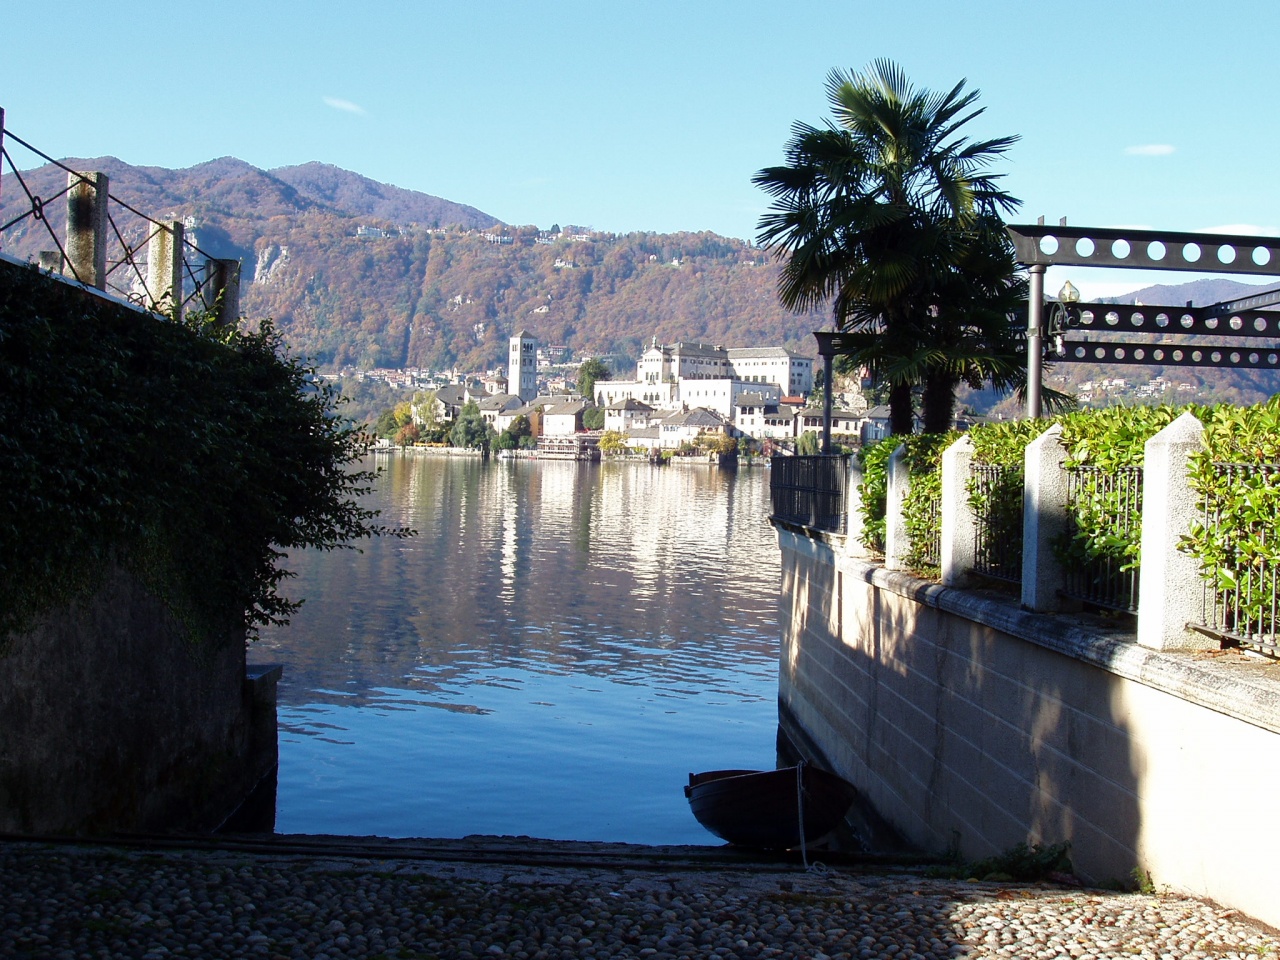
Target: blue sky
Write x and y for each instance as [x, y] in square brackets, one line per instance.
[654, 115]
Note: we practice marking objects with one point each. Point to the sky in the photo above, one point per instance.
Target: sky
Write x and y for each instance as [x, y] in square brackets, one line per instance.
[653, 116]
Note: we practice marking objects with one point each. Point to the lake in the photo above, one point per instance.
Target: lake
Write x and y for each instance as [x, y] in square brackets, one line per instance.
[551, 655]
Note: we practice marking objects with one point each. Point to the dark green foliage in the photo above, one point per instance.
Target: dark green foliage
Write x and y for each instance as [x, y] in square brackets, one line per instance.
[1242, 543]
[874, 489]
[590, 371]
[593, 418]
[1019, 863]
[920, 514]
[1111, 439]
[193, 456]
[470, 431]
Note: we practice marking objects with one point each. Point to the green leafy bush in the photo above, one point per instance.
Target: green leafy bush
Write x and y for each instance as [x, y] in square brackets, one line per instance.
[1107, 516]
[1239, 549]
[194, 456]
[998, 504]
[874, 489]
[920, 508]
[923, 457]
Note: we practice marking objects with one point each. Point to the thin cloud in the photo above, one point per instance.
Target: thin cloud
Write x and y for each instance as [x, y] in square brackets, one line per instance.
[1150, 150]
[345, 105]
[1243, 229]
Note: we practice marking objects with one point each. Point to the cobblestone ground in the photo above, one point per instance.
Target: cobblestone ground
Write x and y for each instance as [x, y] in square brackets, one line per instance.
[79, 901]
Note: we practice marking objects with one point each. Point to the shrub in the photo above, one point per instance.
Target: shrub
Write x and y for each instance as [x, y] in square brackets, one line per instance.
[193, 455]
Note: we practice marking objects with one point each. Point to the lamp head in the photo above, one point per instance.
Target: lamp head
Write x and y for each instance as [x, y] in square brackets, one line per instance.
[1068, 293]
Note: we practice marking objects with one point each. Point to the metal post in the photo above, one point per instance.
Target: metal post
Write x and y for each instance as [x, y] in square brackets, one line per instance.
[164, 270]
[1035, 331]
[224, 277]
[87, 228]
[826, 404]
[1, 156]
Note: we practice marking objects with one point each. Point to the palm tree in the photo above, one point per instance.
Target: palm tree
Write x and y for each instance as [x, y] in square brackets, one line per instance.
[879, 213]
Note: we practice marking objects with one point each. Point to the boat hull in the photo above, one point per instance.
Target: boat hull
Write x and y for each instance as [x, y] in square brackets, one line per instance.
[759, 808]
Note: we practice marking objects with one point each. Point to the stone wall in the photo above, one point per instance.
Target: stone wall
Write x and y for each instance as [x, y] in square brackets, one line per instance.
[971, 724]
[110, 723]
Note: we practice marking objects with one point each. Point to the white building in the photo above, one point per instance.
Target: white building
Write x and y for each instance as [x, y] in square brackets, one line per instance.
[522, 366]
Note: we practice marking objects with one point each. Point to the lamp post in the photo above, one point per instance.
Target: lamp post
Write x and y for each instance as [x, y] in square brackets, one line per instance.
[1062, 318]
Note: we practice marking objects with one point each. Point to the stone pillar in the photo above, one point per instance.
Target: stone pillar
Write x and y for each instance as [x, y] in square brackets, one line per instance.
[164, 270]
[223, 280]
[87, 228]
[853, 509]
[1044, 519]
[1170, 590]
[957, 515]
[895, 531]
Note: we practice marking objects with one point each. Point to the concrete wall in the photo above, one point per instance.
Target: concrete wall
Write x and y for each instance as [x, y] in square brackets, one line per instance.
[971, 724]
[109, 723]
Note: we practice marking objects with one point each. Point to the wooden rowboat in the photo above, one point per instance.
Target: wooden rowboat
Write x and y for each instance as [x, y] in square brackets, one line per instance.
[759, 808]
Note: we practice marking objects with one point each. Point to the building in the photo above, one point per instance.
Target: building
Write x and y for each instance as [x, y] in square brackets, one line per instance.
[522, 366]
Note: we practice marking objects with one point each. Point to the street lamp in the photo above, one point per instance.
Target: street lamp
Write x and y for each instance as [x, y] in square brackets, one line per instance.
[1061, 318]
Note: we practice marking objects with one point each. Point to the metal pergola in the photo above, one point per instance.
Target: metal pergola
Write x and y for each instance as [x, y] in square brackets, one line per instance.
[1037, 247]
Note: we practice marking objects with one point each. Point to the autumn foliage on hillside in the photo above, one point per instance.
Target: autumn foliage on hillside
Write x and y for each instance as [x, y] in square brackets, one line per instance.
[357, 273]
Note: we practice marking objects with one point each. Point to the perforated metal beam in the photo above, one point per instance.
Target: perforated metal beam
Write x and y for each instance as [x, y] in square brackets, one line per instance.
[1170, 355]
[1161, 321]
[1145, 249]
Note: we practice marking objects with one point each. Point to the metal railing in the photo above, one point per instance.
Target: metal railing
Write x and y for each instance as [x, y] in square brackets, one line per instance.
[1106, 579]
[1240, 602]
[32, 220]
[996, 494]
[810, 491]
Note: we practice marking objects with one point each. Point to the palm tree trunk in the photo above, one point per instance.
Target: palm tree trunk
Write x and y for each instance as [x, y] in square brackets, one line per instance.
[939, 402]
[901, 416]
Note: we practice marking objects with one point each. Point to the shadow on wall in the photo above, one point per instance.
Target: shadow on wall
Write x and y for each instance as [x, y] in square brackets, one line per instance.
[963, 738]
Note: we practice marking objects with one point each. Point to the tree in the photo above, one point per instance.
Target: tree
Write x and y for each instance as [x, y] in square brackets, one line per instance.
[591, 370]
[613, 442]
[877, 213]
[470, 431]
[516, 433]
[593, 418]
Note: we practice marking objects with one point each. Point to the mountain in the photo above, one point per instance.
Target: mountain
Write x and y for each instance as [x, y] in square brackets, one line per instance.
[1201, 293]
[362, 197]
[356, 272]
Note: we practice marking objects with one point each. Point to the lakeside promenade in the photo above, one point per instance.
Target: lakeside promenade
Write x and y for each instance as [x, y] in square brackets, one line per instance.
[319, 898]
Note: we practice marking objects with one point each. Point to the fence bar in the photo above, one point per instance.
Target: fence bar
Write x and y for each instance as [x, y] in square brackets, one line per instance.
[87, 228]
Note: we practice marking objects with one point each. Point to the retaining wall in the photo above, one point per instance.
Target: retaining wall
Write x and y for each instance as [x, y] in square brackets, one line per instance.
[971, 724]
[111, 723]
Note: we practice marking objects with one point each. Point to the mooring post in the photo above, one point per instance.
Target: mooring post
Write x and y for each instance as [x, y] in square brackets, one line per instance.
[164, 270]
[87, 228]
[224, 280]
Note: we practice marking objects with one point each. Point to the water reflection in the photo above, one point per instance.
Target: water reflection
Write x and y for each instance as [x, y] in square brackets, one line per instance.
[550, 656]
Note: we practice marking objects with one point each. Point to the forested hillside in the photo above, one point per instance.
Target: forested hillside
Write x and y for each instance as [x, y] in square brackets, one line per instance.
[360, 273]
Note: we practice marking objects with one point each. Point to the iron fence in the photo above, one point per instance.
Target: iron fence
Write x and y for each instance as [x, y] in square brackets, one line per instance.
[929, 550]
[33, 218]
[1105, 577]
[995, 494]
[810, 491]
[1240, 603]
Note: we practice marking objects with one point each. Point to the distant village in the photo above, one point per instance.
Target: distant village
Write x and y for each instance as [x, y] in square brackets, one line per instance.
[681, 392]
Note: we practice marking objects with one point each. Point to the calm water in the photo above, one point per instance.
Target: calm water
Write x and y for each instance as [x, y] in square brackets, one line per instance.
[552, 654]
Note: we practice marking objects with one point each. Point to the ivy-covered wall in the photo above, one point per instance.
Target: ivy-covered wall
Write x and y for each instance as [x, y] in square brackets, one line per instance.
[151, 474]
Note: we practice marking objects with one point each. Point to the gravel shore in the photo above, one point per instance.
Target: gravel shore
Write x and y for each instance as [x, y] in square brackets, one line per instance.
[563, 900]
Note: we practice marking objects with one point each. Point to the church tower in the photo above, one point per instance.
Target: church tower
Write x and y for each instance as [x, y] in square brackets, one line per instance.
[522, 367]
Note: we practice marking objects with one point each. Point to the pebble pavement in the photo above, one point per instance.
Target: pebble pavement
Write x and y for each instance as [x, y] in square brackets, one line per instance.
[72, 901]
